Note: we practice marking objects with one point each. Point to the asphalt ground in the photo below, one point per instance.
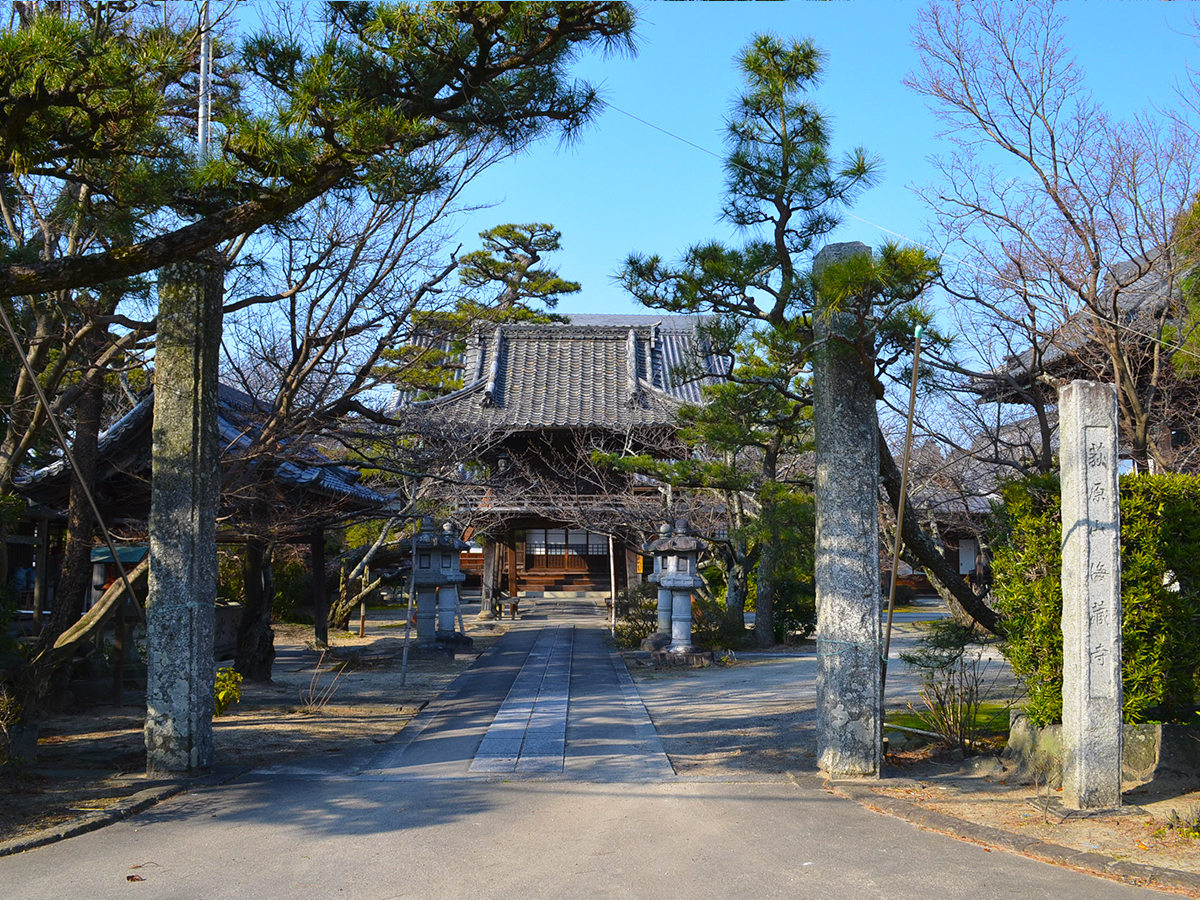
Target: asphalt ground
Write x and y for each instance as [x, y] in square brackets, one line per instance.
[606, 817]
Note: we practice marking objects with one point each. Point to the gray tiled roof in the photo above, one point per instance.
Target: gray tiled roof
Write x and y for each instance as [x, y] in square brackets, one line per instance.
[1136, 293]
[237, 417]
[595, 371]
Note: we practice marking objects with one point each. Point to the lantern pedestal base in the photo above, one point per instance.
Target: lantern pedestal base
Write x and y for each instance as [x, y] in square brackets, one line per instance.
[656, 642]
[691, 659]
[454, 640]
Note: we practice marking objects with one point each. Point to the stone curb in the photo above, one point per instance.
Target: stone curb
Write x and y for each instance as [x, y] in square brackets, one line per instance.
[122, 809]
[1094, 863]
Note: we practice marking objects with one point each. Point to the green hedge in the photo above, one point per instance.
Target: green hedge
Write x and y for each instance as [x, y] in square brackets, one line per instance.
[1160, 593]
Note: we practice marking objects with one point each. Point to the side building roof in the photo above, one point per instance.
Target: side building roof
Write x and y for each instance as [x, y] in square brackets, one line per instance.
[1136, 294]
[124, 457]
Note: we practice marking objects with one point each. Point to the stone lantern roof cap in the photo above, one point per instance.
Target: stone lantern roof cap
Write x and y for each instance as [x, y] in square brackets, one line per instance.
[682, 541]
[428, 539]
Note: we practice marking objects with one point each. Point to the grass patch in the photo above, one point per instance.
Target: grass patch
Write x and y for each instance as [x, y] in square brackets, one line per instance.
[992, 720]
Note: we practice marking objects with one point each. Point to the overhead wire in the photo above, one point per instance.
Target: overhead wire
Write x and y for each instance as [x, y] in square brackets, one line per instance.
[904, 237]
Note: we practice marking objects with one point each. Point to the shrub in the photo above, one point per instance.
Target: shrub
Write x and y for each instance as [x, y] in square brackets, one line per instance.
[1160, 593]
[795, 609]
[905, 595]
[227, 690]
[637, 614]
[954, 683]
[292, 587]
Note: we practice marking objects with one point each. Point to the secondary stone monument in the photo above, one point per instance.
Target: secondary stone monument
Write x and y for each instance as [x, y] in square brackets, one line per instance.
[185, 492]
[1091, 586]
[849, 669]
[436, 577]
[662, 638]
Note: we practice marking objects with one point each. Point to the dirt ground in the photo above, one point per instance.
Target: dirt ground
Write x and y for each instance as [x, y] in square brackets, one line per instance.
[1141, 834]
[90, 759]
[743, 721]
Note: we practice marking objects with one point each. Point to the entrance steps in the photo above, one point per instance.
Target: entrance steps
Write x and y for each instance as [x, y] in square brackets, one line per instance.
[601, 596]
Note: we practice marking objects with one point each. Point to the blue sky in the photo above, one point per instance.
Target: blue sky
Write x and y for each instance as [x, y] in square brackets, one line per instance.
[628, 187]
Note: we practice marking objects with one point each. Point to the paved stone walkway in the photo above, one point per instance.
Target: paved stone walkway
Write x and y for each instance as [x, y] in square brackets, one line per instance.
[550, 700]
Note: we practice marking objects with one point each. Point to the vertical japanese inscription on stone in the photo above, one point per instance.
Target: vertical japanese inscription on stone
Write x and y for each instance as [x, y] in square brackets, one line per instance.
[1101, 518]
[1091, 586]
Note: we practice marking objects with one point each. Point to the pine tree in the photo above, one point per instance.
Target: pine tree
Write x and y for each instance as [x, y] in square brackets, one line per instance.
[785, 188]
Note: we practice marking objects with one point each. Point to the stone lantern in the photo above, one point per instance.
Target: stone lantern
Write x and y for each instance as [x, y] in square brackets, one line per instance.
[663, 637]
[676, 557]
[436, 577]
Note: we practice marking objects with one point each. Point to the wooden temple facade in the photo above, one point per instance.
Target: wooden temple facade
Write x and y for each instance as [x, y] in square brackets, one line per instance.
[538, 402]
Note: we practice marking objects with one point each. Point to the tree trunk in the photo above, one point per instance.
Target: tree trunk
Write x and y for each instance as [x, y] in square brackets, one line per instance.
[320, 598]
[256, 641]
[737, 578]
[949, 584]
[764, 603]
[76, 575]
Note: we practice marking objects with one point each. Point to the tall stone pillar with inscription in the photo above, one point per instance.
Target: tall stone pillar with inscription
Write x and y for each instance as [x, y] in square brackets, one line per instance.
[1091, 582]
[849, 668]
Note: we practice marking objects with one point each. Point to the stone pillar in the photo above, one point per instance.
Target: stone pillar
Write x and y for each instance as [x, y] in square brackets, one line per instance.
[658, 553]
[320, 596]
[447, 601]
[41, 569]
[849, 670]
[665, 609]
[185, 493]
[681, 620]
[1091, 585]
[426, 615]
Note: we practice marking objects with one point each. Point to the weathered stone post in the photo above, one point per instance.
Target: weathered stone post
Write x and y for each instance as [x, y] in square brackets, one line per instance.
[185, 492]
[1091, 585]
[849, 670]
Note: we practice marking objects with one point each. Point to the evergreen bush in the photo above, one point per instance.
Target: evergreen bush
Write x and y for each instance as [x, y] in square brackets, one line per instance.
[637, 614]
[1160, 593]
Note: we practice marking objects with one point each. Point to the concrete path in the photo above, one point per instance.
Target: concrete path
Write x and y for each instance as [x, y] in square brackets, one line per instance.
[538, 775]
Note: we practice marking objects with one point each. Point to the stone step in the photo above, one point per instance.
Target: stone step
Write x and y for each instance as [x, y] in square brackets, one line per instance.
[565, 595]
